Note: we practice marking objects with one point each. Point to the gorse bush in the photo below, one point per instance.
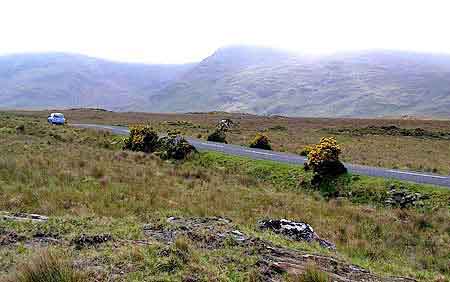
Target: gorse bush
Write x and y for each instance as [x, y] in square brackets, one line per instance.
[218, 136]
[145, 139]
[174, 146]
[261, 141]
[305, 151]
[46, 267]
[326, 151]
[324, 161]
[142, 138]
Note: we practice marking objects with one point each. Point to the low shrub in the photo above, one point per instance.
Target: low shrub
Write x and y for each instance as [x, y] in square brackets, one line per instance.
[145, 139]
[218, 136]
[261, 141]
[174, 146]
[142, 139]
[20, 128]
[305, 151]
[324, 161]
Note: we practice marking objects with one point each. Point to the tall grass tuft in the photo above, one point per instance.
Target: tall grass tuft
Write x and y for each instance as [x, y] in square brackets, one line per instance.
[313, 274]
[46, 267]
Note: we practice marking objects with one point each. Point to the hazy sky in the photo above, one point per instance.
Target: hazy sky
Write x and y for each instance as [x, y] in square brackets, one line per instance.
[187, 30]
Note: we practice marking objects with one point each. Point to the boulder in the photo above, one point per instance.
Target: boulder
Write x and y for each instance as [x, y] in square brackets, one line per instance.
[22, 217]
[402, 197]
[84, 240]
[298, 231]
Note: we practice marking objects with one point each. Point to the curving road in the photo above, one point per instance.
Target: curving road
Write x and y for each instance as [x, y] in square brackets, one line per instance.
[258, 154]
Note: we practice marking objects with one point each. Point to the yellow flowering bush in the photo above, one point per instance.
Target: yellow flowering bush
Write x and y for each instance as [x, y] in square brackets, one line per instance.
[323, 159]
[142, 138]
[305, 151]
[326, 151]
[261, 141]
[174, 146]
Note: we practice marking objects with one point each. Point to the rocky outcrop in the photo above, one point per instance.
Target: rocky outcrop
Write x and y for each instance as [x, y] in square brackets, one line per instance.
[403, 198]
[298, 231]
[274, 261]
[208, 232]
[277, 261]
[10, 237]
[84, 240]
[22, 216]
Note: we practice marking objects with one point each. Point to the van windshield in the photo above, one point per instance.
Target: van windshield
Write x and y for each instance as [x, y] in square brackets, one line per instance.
[58, 115]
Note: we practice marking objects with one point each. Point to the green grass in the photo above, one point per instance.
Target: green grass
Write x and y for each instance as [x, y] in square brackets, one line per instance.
[403, 152]
[86, 184]
[358, 189]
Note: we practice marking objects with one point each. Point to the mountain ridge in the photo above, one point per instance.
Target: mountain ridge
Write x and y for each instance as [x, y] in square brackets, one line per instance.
[57, 79]
[249, 79]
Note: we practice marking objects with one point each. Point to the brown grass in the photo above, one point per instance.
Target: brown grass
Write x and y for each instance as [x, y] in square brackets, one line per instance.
[46, 266]
[81, 175]
[293, 134]
[312, 274]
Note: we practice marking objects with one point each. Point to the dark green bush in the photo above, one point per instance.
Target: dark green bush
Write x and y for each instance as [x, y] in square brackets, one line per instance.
[145, 139]
[218, 136]
[261, 141]
[20, 129]
[142, 139]
[174, 146]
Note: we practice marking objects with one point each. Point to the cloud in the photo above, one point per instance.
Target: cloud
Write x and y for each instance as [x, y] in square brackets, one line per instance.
[182, 31]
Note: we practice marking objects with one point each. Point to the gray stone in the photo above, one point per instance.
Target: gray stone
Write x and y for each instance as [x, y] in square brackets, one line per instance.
[401, 197]
[298, 231]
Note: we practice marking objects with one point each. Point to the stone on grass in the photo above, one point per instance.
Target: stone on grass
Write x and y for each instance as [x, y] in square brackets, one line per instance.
[298, 231]
[402, 197]
[22, 217]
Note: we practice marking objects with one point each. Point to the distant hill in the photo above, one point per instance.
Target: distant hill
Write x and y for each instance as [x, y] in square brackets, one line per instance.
[52, 80]
[360, 84]
[238, 78]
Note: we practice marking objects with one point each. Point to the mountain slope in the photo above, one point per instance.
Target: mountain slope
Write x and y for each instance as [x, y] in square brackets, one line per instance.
[68, 80]
[377, 83]
[237, 78]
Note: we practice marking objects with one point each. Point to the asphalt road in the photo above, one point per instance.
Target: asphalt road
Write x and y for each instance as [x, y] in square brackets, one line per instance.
[258, 154]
